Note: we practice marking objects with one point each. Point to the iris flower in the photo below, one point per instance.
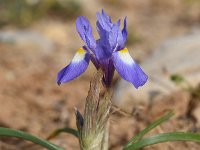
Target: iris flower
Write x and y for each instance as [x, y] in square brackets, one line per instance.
[107, 53]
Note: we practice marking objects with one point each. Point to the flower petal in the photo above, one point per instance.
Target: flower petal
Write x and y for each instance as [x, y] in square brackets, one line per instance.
[113, 35]
[124, 31]
[104, 21]
[109, 70]
[106, 17]
[128, 69]
[110, 33]
[103, 27]
[77, 66]
[85, 31]
[116, 37]
[103, 51]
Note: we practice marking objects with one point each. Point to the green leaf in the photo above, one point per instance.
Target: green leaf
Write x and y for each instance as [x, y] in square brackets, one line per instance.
[177, 78]
[150, 127]
[26, 136]
[67, 130]
[165, 137]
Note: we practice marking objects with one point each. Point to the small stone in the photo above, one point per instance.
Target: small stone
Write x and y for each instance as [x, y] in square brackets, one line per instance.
[28, 39]
[196, 112]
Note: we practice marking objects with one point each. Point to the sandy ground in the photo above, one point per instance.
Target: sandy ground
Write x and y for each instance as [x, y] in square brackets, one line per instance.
[30, 99]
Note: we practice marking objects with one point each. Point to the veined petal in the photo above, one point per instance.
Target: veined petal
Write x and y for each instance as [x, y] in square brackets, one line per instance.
[103, 51]
[116, 37]
[77, 66]
[104, 21]
[109, 70]
[113, 35]
[107, 18]
[124, 31]
[85, 31]
[128, 69]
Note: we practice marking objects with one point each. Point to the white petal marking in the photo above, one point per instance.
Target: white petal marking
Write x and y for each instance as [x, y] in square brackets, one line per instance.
[125, 56]
[79, 56]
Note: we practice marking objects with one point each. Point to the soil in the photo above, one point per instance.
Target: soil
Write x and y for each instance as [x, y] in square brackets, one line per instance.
[31, 101]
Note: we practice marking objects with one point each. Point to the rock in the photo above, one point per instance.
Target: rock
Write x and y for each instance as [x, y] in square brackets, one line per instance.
[178, 101]
[195, 114]
[28, 39]
[175, 56]
[61, 33]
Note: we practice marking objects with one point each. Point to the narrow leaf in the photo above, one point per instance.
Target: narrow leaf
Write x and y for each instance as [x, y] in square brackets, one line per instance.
[61, 130]
[150, 127]
[164, 137]
[26, 136]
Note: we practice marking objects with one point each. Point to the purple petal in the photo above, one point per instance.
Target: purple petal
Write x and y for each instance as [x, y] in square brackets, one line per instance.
[95, 61]
[85, 31]
[103, 51]
[124, 31]
[77, 66]
[104, 21]
[109, 70]
[128, 69]
[116, 37]
[113, 35]
[107, 18]
[103, 35]
[110, 33]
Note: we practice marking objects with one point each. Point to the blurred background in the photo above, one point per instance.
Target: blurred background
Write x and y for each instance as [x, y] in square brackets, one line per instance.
[38, 38]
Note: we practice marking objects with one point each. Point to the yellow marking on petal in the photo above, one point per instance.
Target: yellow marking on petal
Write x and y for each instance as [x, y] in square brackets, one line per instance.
[125, 50]
[81, 51]
[79, 56]
[125, 56]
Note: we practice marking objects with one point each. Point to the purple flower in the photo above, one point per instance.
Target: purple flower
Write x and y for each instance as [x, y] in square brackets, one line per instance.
[108, 53]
